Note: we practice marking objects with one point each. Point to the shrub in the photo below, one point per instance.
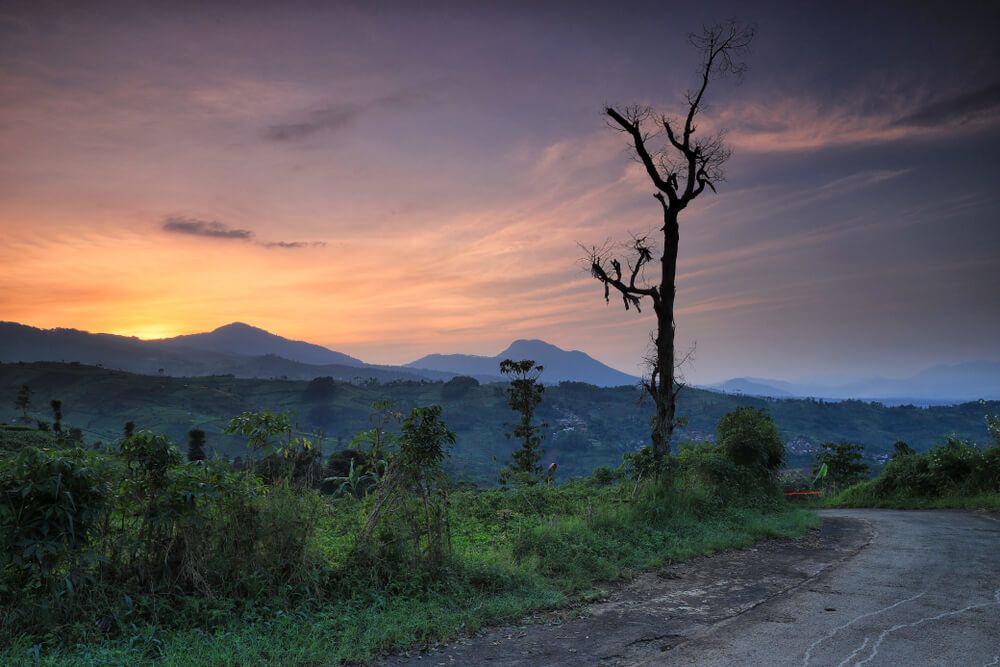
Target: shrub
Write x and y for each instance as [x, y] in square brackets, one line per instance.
[603, 476]
[708, 469]
[749, 437]
[955, 467]
[50, 501]
[844, 463]
[408, 521]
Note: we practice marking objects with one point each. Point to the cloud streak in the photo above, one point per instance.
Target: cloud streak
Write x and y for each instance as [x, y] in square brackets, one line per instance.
[213, 229]
[959, 108]
[207, 228]
[336, 117]
[807, 124]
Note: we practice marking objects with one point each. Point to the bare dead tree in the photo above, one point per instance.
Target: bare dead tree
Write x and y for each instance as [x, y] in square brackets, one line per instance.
[680, 166]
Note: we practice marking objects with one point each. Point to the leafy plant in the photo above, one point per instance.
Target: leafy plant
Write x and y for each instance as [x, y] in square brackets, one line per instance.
[750, 438]
[355, 483]
[524, 394]
[844, 462]
[50, 500]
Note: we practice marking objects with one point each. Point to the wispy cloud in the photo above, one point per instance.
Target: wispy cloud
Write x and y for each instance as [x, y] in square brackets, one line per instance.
[336, 117]
[807, 124]
[958, 108]
[208, 228]
[294, 244]
[216, 230]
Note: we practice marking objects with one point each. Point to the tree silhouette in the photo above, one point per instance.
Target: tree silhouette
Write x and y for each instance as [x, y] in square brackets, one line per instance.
[524, 395]
[23, 401]
[680, 167]
[57, 415]
[129, 429]
[196, 445]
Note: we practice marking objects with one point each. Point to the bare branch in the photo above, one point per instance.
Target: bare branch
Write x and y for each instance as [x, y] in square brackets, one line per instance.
[608, 270]
[630, 121]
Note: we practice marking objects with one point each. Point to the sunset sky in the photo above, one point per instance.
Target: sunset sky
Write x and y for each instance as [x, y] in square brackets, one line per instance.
[391, 181]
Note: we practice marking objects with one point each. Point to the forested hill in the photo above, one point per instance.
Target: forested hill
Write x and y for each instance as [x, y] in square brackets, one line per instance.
[587, 426]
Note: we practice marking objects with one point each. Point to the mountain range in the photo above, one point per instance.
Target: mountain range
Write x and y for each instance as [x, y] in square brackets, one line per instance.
[938, 384]
[245, 351]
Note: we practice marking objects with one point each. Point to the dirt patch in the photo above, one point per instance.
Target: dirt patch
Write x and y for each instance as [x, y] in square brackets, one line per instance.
[658, 610]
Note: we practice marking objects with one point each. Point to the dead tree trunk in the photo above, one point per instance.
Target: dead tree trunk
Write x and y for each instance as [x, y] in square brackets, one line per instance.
[679, 171]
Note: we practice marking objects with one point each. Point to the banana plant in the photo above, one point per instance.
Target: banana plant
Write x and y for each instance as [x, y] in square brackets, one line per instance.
[354, 483]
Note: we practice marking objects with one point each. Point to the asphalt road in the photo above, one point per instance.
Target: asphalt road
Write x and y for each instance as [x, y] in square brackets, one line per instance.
[925, 591]
[872, 587]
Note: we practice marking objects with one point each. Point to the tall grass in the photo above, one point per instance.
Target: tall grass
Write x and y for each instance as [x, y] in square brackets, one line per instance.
[271, 574]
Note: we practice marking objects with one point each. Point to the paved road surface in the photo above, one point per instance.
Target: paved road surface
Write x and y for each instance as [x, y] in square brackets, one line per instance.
[875, 587]
[926, 591]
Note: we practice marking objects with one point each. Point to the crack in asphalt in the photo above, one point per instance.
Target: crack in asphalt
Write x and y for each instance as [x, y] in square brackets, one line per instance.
[855, 652]
[901, 626]
[808, 656]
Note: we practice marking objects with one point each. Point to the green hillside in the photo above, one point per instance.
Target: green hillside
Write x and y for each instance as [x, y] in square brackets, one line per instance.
[587, 426]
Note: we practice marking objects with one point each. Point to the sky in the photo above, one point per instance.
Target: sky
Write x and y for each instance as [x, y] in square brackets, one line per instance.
[396, 179]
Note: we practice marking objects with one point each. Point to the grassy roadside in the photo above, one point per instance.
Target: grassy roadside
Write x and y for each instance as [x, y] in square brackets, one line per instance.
[514, 552]
[868, 494]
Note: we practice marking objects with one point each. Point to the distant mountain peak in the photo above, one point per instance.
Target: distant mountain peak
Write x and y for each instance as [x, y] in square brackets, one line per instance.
[238, 326]
[245, 339]
[560, 365]
[528, 346]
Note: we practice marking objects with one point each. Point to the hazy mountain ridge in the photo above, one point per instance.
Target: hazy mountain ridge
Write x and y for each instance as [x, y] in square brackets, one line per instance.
[245, 351]
[955, 383]
[560, 365]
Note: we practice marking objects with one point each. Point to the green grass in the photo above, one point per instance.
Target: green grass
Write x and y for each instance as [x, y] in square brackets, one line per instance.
[514, 552]
[866, 494]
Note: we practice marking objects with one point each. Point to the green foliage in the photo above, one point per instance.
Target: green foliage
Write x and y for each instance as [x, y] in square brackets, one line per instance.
[844, 463]
[992, 424]
[524, 394]
[49, 502]
[261, 428]
[149, 456]
[458, 387]
[423, 440]
[16, 438]
[408, 523]
[196, 445]
[190, 563]
[378, 439]
[603, 476]
[956, 473]
[900, 448]
[355, 482]
[608, 422]
[642, 464]
[750, 438]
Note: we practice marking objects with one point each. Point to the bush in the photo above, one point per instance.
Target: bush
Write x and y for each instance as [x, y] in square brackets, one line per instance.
[50, 502]
[707, 469]
[749, 437]
[953, 468]
[844, 463]
[408, 523]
